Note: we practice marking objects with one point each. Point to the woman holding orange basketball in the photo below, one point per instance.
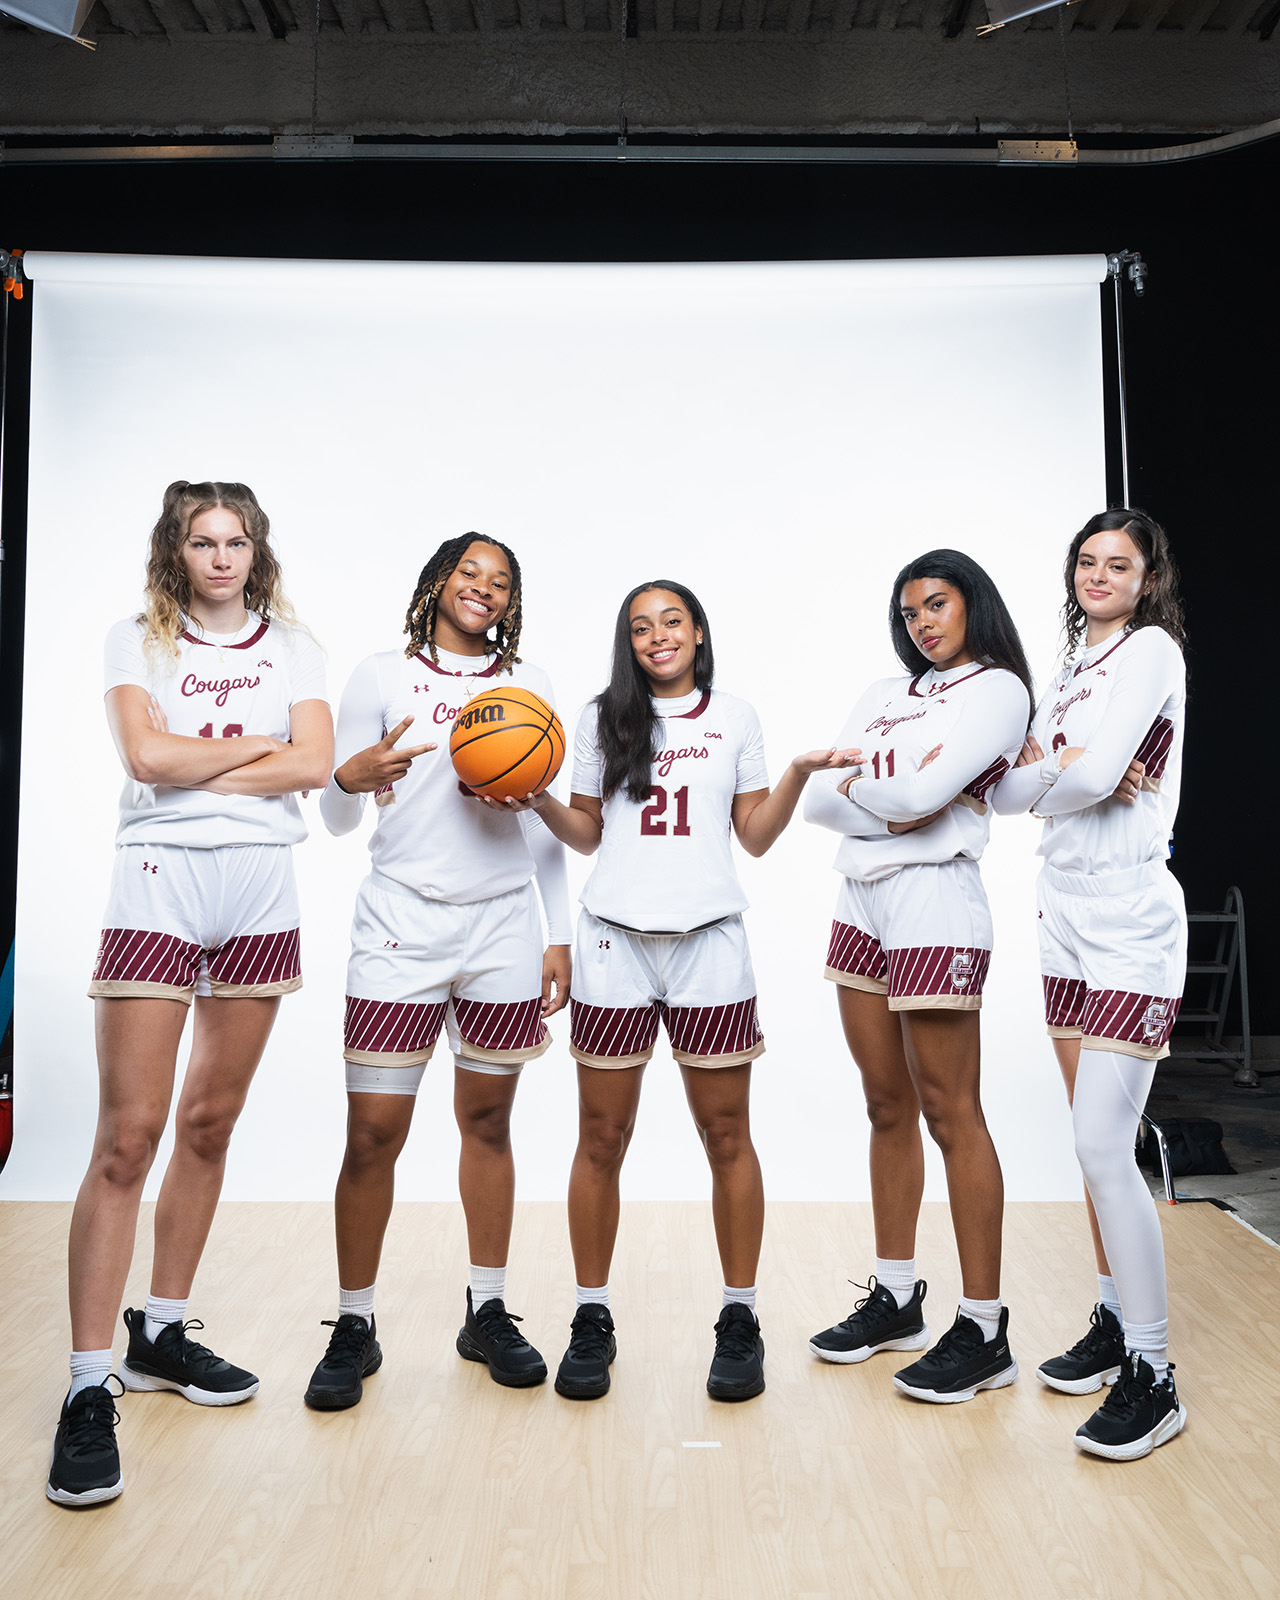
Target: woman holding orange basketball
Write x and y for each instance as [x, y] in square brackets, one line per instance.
[446, 933]
[663, 767]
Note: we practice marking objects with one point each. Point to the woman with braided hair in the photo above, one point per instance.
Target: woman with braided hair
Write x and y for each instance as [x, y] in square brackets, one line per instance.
[215, 698]
[446, 933]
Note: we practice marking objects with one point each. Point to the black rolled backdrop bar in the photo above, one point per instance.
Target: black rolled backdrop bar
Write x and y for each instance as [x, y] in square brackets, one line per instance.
[15, 427]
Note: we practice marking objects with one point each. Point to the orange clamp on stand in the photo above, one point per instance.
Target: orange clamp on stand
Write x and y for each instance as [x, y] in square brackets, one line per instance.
[14, 277]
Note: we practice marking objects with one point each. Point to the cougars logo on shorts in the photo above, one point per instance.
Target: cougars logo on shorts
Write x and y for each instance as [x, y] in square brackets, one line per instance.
[1154, 1022]
[961, 970]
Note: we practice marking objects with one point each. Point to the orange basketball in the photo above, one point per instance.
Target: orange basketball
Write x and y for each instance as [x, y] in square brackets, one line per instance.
[507, 742]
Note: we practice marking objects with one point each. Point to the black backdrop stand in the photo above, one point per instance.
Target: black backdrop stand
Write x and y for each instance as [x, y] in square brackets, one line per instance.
[1200, 346]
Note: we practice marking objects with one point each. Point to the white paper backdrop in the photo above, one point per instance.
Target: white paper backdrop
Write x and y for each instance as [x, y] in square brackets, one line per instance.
[781, 437]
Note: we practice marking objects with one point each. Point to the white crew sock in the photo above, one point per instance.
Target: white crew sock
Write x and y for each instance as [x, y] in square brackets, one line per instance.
[160, 1313]
[487, 1283]
[593, 1297]
[897, 1276]
[739, 1297]
[1108, 1296]
[356, 1303]
[1150, 1340]
[88, 1368]
[986, 1313]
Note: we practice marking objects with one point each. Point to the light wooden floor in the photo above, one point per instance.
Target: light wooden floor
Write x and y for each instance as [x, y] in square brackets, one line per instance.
[830, 1485]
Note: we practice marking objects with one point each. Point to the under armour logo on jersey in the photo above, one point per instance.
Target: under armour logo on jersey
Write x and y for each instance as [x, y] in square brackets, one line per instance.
[961, 969]
[603, 945]
[147, 867]
[391, 944]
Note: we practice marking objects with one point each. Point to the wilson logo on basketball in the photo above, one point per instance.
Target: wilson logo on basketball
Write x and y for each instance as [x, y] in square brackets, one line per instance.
[480, 714]
[507, 743]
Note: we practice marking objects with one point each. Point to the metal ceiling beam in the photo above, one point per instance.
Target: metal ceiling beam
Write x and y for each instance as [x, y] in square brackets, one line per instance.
[1006, 152]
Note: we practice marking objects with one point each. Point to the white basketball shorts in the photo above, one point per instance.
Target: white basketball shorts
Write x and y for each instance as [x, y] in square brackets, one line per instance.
[1113, 951]
[921, 937]
[699, 984]
[414, 960]
[182, 922]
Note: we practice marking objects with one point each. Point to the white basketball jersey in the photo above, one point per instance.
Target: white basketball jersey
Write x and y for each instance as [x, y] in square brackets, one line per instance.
[1124, 698]
[974, 716]
[429, 835]
[221, 687]
[665, 863]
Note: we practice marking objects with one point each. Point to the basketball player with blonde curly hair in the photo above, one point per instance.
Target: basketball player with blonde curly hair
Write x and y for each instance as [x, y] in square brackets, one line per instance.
[215, 697]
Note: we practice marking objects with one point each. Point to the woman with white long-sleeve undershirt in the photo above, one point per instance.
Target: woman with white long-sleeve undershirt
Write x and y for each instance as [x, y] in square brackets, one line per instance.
[1101, 766]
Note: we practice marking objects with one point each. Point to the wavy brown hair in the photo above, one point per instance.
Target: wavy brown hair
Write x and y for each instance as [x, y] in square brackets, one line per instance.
[166, 612]
[1160, 605]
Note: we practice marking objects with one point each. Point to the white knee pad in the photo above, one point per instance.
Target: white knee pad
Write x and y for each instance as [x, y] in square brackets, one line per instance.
[364, 1079]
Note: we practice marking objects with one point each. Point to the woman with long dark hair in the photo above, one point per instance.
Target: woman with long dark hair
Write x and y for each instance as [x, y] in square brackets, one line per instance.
[446, 935]
[215, 697]
[665, 767]
[909, 952]
[1102, 765]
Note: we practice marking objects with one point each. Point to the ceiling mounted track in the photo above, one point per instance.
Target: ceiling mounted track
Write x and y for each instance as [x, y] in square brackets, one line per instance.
[342, 147]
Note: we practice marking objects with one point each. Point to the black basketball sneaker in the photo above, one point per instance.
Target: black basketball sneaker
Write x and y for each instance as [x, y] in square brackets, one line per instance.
[1094, 1360]
[1136, 1416]
[354, 1354]
[584, 1368]
[178, 1363]
[737, 1368]
[85, 1469]
[490, 1335]
[875, 1323]
[961, 1363]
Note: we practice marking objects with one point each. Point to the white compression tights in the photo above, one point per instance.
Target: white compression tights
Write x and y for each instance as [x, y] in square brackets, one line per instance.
[1111, 1091]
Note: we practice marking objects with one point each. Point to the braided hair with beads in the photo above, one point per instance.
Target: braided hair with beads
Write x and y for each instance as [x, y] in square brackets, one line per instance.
[419, 622]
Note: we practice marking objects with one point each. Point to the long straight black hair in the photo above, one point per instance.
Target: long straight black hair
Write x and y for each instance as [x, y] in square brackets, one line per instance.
[989, 631]
[628, 720]
[1160, 606]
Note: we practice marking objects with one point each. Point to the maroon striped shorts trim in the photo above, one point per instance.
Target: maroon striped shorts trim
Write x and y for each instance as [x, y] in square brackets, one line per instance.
[713, 1030]
[612, 1031]
[252, 958]
[1145, 1019]
[945, 969]
[391, 1027]
[129, 955]
[1063, 1001]
[855, 952]
[489, 1025]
